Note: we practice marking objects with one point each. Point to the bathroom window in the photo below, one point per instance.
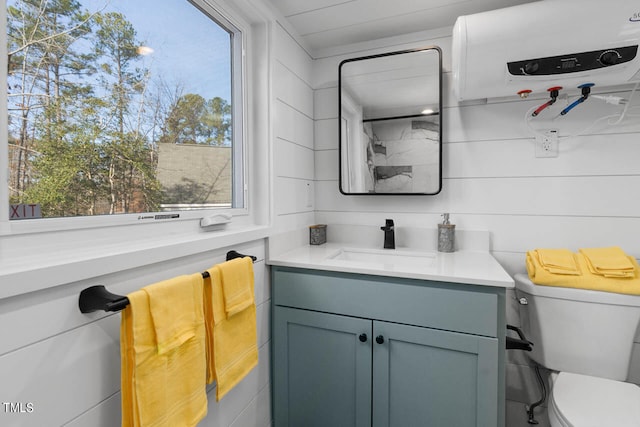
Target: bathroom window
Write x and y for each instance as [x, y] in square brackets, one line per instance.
[122, 108]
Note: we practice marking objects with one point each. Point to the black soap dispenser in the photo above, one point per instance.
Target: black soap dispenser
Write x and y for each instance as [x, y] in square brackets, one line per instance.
[446, 235]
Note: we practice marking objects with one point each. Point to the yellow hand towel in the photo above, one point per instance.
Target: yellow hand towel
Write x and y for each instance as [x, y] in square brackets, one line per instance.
[586, 280]
[173, 310]
[232, 350]
[161, 389]
[608, 262]
[237, 284]
[542, 276]
[557, 261]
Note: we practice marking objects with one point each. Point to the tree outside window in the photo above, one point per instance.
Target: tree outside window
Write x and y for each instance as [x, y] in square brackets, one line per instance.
[109, 113]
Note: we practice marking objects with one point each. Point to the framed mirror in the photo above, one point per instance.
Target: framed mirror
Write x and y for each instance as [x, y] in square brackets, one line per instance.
[390, 123]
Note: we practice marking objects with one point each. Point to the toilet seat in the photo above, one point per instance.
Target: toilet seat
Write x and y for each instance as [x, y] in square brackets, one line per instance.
[584, 401]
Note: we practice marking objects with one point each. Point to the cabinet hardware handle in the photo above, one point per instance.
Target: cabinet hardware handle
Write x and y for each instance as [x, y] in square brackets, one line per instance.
[379, 339]
[363, 337]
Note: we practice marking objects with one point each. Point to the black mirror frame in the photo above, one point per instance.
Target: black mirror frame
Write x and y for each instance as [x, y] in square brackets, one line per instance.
[346, 61]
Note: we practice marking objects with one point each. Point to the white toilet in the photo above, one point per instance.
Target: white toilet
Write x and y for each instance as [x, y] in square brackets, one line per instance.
[585, 338]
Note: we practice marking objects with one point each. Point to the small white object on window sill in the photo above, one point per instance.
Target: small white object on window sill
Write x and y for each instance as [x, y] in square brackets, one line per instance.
[215, 222]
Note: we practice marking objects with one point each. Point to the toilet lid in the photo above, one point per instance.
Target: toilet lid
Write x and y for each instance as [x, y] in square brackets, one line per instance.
[586, 401]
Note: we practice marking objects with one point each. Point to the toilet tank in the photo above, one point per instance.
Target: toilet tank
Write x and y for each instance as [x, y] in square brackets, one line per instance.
[580, 331]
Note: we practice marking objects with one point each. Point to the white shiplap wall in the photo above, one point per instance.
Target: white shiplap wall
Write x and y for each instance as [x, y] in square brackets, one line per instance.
[67, 364]
[492, 181]
[293, 154]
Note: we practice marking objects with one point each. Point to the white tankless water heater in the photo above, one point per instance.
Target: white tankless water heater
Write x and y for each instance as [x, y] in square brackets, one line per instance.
[545, 44]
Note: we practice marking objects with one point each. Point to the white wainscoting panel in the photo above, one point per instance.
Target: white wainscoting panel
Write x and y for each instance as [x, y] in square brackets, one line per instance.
[293, 133]
[66, 364]
[292, 160]
[292, 89]
[292, 125]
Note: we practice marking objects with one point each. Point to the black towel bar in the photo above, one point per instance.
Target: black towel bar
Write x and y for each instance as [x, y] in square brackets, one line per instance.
[97, 297]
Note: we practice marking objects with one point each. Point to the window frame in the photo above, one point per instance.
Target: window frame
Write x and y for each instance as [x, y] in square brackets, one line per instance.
[241, 32]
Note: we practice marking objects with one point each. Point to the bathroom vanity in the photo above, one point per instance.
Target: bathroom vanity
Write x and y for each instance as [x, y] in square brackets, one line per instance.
[396, 338]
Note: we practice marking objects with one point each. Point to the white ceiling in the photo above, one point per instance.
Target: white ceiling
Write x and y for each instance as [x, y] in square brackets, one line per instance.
[323, 24]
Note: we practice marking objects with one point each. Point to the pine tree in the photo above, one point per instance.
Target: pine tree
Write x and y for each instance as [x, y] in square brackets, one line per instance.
[131, 177]
[192, 120]
[45, 73]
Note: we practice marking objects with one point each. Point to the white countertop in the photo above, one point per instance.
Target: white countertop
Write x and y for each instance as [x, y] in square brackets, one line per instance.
[474, 267]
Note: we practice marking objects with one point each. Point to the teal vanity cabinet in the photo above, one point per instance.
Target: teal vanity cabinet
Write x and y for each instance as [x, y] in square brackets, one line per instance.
[363, 350]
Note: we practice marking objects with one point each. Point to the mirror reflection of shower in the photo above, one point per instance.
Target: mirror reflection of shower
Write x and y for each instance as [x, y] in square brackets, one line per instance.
[390, 123]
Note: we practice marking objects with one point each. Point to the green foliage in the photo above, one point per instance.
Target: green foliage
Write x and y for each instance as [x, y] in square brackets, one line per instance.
[81, 130]
[196, 121]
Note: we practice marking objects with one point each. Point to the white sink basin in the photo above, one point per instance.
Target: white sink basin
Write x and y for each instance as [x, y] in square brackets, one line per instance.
[386, 257]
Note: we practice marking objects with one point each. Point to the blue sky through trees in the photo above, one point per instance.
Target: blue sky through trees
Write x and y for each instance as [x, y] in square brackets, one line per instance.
[179, 36]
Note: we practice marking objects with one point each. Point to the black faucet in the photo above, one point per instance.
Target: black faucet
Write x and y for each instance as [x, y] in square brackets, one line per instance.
[389, 234]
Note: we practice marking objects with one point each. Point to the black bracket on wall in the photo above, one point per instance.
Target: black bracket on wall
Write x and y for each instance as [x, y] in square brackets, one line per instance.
[521, 343]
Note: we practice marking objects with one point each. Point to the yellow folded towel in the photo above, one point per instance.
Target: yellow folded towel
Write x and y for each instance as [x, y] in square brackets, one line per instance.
[237, 284]
[586, 280]
[232, 350]
[162, 389]
[608, 262]
[557, 261]
[173, 310]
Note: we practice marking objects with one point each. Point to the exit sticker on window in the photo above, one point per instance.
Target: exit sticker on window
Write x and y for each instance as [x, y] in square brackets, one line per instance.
[25, 211]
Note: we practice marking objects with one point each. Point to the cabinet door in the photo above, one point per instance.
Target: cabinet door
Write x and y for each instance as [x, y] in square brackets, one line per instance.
[321, 369]
[433, 378]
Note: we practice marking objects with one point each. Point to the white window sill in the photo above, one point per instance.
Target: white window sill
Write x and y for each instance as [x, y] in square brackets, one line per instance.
[33, 271]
